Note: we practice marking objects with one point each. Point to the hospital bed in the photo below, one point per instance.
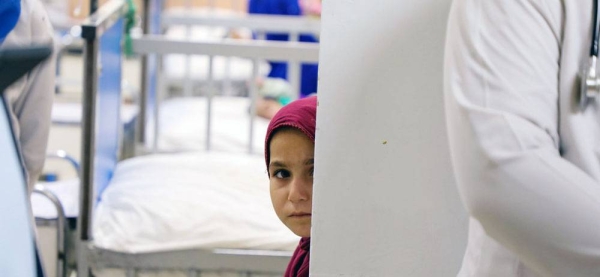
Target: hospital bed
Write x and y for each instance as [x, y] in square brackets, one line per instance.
[179, 211]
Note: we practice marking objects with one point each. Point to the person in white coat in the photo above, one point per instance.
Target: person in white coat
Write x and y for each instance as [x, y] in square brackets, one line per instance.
[526, 157]
[24, 23]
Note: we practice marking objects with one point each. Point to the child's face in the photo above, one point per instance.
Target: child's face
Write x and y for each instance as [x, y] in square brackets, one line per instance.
[291, 176]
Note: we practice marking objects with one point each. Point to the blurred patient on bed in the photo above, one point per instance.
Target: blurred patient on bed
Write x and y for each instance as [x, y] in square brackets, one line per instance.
[273, 93]
[266, 106]
[289, 156]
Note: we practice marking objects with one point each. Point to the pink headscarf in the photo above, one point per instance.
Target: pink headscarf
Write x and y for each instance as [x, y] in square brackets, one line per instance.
[302, 115]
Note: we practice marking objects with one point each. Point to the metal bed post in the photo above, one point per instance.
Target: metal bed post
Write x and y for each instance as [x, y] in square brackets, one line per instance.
[141, 124]
[87, 151]
[92, 30]
[227, 83]
[253, 95]
[62, 232]
[187, 83]
[157, 100]
[294, 70]
[209, 100]
[149, 73]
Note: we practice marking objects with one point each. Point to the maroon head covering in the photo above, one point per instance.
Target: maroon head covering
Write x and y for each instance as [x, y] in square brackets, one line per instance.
[302, 115]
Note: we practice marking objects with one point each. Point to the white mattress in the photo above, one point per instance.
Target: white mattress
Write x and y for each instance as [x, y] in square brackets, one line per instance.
[192, 200]
[183, 125]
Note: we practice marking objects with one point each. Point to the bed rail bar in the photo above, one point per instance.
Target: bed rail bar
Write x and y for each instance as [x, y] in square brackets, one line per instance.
[94, 26]
[101, 33]
[269, 50]
[261, 23]
[151, 25]
[62, 230]
[262, 261]
[63, 155]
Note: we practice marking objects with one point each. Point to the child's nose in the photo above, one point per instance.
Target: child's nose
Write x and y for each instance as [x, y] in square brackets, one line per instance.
[298, 190]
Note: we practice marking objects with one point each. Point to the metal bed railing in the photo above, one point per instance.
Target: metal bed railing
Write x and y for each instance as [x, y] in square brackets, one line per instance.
[154, 44]
[97, 171]
[156, 20]
[256, 50]
[63, 229]
[103, 23]
[294, 26]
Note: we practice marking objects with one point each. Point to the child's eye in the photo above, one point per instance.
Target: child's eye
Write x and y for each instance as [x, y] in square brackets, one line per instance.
[312, 171]
[281, 174]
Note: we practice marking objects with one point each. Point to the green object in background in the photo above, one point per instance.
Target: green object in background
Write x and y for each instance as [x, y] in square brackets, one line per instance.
[284, 100]
[278, 89]
[129, 23]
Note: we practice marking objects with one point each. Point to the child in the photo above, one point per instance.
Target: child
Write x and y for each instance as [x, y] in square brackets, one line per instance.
[289, 155]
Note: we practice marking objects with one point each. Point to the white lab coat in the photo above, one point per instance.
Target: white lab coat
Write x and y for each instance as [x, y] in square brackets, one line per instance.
[527, 162]
[30, 98]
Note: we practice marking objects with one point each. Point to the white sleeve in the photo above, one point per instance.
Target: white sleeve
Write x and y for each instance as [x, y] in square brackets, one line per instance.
[501, 91]
[31, 97]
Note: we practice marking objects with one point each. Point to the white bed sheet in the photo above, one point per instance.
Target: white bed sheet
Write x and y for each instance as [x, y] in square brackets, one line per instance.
[182, 125]
[71, 113]
[201, 200]
[67, 192]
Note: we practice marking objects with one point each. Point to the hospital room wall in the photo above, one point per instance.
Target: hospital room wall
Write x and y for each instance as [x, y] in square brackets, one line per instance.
[385, 201]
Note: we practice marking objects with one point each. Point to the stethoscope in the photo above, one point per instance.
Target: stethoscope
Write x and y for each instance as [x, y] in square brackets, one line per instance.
[589, 86]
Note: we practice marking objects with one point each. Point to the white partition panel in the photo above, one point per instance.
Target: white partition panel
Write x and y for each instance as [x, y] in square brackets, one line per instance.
[385, 201]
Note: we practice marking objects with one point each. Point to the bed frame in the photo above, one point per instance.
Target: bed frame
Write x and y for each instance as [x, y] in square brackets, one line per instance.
[102, 33]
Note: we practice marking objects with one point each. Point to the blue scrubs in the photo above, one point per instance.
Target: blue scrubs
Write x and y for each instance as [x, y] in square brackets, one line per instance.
[10, 10]
[309, 74]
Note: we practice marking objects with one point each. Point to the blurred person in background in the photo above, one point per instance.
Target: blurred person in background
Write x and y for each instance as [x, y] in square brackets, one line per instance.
[29, 100]
[270, 103]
